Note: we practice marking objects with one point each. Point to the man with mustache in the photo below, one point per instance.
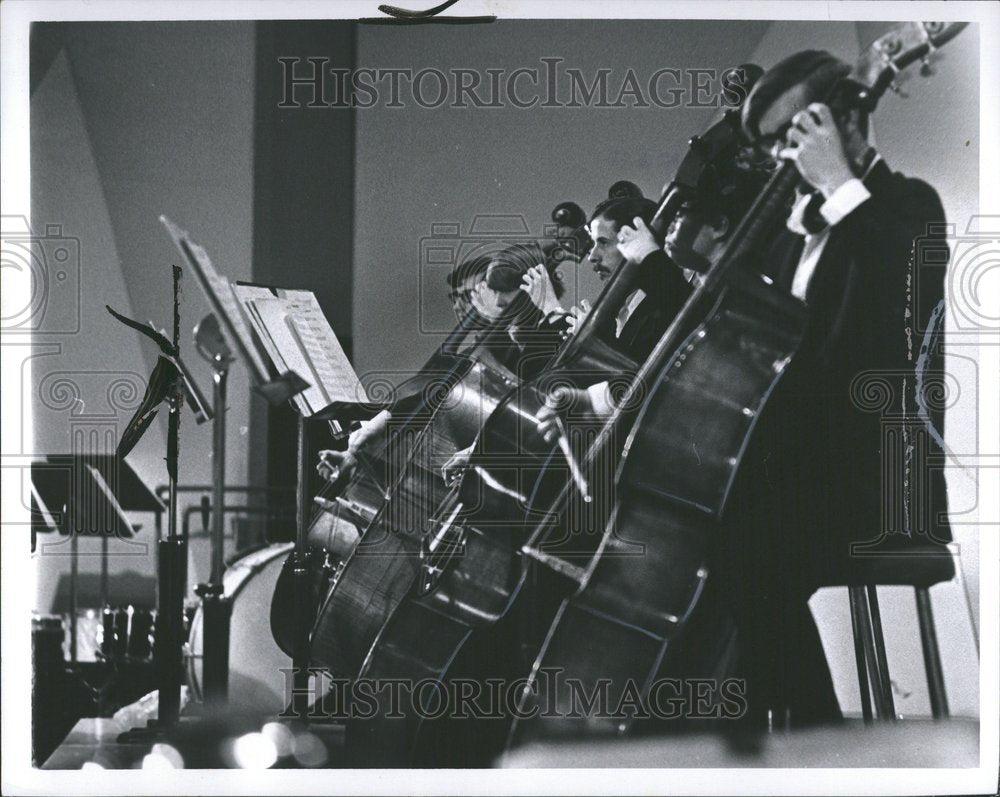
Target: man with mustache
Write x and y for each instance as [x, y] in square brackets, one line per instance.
[661, 288]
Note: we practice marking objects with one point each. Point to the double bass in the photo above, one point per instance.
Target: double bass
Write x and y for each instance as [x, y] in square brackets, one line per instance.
[468, 570]
[706, 383]
[436, 412]
[390, 497]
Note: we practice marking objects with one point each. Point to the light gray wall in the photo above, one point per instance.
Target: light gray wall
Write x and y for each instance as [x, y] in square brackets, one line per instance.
[131, 121]
[418, 166]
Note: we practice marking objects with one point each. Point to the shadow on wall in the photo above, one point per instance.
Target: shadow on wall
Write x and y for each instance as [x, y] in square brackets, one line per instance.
[171, 134]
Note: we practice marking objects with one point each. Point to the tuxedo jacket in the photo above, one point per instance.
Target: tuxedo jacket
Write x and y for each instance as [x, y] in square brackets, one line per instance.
[666, 291]
[528, 346]
[846, 450]
[826, 462]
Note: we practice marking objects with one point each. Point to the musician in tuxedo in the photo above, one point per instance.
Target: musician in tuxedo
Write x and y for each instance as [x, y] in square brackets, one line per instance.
[522, 286]
[695, 239]
[708, 646]
[661, 288]
[619, 231]
[473, 307]
[813, 479]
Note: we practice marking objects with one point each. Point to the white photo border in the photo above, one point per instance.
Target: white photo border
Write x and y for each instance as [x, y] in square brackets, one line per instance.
[20, 778]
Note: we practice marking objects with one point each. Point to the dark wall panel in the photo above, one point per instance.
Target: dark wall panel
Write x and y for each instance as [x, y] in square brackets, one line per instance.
[303, 206]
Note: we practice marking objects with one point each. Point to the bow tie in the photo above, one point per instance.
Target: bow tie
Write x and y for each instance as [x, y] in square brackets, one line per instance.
[805, 218]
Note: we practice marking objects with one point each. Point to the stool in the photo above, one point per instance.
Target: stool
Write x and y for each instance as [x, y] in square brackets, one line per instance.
[895, 560]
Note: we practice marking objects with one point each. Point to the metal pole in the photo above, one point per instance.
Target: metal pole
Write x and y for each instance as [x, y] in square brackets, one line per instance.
[932, 656]
[219, 474]
[173, 584]
[156, 556]
[300, 576]
[74, 574]
[215, 605]
[104, 569]
[302, 504]
[885, 684]
[173, 559]
[859, 654]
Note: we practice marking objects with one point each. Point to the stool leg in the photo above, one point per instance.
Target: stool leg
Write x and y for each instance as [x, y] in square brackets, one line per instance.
[932, 655]
[857, 626]
[884, 685]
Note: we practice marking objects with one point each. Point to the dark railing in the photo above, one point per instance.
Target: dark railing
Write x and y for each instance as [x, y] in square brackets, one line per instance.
[163, 490]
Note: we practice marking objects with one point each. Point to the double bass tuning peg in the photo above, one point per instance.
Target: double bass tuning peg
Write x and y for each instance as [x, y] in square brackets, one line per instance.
[926, 67]
[569, 214]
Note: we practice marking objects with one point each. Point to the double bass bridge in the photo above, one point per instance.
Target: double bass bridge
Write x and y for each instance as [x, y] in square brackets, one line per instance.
[443, 540]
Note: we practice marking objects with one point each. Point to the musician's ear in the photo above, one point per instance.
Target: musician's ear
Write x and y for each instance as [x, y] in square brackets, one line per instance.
[853, 128]
[851, 121]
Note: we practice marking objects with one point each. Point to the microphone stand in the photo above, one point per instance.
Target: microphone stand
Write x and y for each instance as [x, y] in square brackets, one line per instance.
[300, 580]
[172, 564]
[165, 385]
[216, 605]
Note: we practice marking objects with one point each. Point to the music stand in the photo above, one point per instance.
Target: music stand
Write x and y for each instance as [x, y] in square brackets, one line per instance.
[295, 337]
[216, 605]
[279, 334]
[166, 385]
[87, 495]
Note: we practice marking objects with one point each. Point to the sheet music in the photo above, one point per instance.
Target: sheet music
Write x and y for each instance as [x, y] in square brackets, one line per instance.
[273, 313]
[293, 326]
[327, 356]
[290, 328]
[220, 295]
[246, 295]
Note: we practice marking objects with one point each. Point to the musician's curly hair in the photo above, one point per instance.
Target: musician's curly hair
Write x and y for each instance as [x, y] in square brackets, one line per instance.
[511, 263]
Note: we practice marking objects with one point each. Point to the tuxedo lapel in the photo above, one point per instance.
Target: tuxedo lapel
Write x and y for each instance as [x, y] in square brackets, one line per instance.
[835, 265]
[783, 258]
